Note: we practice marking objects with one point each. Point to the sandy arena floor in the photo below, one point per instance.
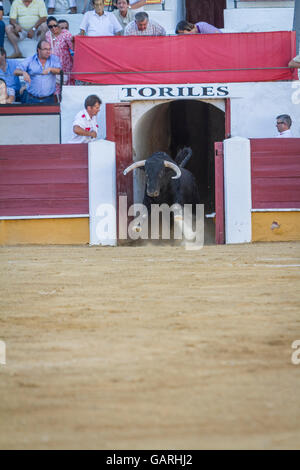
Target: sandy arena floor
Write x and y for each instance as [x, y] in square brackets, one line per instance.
[150, 347]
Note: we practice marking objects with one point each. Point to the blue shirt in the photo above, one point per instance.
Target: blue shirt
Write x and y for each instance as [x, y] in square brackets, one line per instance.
[40, 85]
[11, 80]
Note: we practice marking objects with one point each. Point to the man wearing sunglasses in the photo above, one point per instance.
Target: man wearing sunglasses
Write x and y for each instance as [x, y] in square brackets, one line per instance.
[27, 20]
[283, 124]
[39, 73]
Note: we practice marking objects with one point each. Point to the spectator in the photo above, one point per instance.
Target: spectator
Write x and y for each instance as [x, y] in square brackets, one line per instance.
[99, 22]
[283, 125]
[143, 26]
[133, 4]
[7, 68]
[184, 27]
[7, 95]
[61, 42]
[39, 72]
[27, 20]
[2, 25]
[295, 62]
[61, 6]
[85, 127]
[123, 13]
[63, 24]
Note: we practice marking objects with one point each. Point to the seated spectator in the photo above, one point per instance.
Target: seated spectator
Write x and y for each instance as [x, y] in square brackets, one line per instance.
[63, 24]
[295, 62]
[88, 5]
[283, 124]
[85, 127]
[7, 95]
[7, 68]
[184, 27]
[39, 72]
[143, 26]
[61, 6]
[61, 42]
[133, 3]
[27, 20]
[2, 25]
[99, 22]
[123, 13]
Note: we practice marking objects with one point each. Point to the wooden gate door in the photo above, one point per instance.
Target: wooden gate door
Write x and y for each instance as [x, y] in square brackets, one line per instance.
[118, 125]
[219, 193]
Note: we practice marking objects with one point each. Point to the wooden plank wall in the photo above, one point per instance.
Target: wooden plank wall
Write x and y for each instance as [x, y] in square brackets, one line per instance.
[43, 180]
[275, 173]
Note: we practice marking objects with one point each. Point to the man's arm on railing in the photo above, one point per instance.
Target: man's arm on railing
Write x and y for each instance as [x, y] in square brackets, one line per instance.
[294, 63]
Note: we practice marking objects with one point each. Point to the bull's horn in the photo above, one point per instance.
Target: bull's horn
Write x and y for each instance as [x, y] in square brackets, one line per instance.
[133, 166]
[173, 167]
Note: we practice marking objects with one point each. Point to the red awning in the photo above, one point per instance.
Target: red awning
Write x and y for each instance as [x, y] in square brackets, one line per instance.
[205, 58]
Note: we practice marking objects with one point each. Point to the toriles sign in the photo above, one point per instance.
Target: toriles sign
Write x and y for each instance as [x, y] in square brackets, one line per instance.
[204, 91]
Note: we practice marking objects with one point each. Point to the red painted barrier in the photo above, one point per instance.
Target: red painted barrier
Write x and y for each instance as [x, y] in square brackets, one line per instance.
[43, 180]
[202, 58]
[275, 173]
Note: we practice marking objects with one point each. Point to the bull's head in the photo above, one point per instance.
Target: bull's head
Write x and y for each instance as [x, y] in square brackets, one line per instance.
[154, 170]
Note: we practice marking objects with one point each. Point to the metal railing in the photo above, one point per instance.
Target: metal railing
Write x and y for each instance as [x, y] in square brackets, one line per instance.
[264, 3]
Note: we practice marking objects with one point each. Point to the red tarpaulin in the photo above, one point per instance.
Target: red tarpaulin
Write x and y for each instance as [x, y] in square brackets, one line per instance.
[205, 58]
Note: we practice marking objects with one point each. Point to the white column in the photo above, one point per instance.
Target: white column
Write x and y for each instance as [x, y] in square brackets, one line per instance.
[237, 190]
[102, 193]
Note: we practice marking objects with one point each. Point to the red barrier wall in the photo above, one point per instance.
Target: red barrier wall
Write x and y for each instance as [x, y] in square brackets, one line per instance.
[43, 180]
[275, 173]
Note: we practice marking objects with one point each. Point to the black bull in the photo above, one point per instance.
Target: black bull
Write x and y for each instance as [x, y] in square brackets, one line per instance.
[162, 187]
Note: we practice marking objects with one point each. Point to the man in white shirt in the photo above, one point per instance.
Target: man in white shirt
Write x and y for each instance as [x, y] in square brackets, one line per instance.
[85, 127]
[99, 22]
[283, 125]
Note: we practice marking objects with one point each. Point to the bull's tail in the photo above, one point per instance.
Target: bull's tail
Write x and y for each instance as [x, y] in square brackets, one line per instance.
[183, 156]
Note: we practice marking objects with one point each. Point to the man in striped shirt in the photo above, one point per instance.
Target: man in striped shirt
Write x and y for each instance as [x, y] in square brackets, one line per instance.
[143, 26]
[27, 20]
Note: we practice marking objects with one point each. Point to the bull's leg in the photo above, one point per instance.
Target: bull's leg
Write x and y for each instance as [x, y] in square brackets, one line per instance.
[139, 226]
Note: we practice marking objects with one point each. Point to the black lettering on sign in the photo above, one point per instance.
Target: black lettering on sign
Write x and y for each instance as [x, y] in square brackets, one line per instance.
[222, 91]
[163, 91]
[129, 92]
[180, 91]
[142, 92]
[191, 90]
[208, 91]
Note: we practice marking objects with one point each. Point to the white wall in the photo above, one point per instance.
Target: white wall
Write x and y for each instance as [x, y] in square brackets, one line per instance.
[253, 115]
[254, 107]
[30, 129]
[258, 19]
